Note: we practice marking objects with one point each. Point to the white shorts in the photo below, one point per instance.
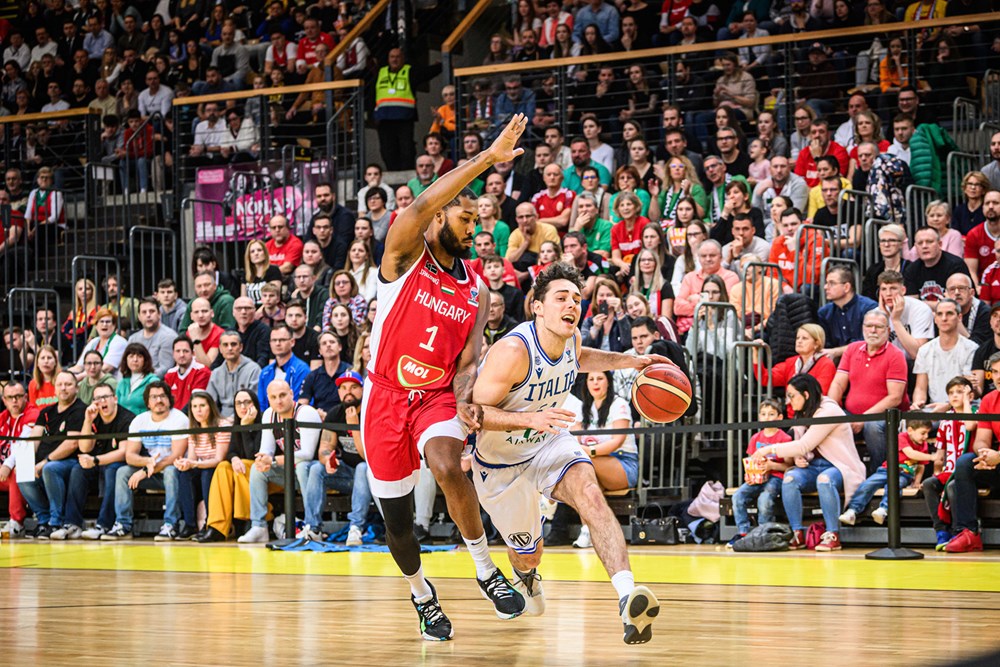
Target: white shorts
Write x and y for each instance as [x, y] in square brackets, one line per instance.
[510, 493]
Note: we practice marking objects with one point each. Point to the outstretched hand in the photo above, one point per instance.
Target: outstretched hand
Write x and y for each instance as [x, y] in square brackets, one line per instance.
[503, 147]
[644, 360]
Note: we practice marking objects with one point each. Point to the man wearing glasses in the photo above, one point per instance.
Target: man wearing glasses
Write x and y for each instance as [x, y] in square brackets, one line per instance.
[99, 457]
[150, 458]
[17, 419]
[871, 378]
[286, 365]
[842, 315]
[974, 315]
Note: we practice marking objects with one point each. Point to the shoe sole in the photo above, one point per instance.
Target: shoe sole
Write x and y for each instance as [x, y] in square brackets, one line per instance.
[640, 609]
[827, 549]
[878, 520]
[846, 521]
[534, 605]
[353, 544]
[502, 616]
[432, 638]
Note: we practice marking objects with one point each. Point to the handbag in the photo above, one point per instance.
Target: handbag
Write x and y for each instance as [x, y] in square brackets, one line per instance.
[765, 537]
[660, 529]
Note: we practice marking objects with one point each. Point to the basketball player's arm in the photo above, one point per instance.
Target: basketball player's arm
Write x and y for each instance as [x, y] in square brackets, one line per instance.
[468, 365]
[505, 366]
[405, 240]
[594, 360]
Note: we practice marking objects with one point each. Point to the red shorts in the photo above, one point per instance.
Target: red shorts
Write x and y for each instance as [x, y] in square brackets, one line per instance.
[395, 426]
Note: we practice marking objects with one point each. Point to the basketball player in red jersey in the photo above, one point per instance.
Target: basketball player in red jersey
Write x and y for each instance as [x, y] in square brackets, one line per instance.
[425, 346]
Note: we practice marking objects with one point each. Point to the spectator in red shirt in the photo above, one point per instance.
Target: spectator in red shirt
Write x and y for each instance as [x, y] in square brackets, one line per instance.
[14, 420]
[626, 235]
[487, 247]
[284, 249]
[980, 240]
[871, 379]
[819, 144]
[555, 202]
[204, 333]
[989, 285]
[187, 375]
[810, 340]
[313, 37]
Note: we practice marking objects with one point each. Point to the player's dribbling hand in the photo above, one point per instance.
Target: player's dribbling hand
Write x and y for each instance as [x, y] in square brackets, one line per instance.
[471, 415]
[503, 149]
[644, 360]
[552, 420]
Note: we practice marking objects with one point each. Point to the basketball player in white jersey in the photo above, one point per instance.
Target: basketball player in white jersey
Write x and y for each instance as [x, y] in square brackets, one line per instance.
[524, 448]
[425, 348]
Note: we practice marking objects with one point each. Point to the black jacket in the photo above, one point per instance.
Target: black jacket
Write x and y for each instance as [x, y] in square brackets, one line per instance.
[790, 312]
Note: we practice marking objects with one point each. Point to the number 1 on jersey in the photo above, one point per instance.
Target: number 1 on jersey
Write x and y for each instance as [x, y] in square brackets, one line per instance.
[429, 345]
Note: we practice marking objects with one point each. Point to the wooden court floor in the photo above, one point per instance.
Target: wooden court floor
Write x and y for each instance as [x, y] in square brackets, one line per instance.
[143, 603]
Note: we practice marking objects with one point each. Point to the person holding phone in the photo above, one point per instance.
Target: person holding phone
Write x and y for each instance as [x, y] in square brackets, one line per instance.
[608, 327]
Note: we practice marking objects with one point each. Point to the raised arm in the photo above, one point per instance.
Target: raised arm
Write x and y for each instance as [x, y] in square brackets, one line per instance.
[405, 241]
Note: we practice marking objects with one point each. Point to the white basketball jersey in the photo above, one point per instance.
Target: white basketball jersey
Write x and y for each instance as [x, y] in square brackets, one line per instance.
[548, 383]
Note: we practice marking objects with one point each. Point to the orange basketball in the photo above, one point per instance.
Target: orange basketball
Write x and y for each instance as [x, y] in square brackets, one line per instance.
[661, 393]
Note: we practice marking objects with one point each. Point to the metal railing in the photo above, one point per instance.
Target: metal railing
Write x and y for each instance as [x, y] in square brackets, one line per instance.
[148, 259]
[23, 305]
[822, 242]
[957, 166]
[871, 255]
[917, 199]
[94, 268]
[713, 332]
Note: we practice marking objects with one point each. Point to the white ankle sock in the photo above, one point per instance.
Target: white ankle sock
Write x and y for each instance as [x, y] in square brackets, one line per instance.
[480, 551]
[624, 583]
[418, 585]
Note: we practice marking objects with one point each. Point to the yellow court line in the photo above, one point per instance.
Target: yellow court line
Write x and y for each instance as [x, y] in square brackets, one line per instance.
[842, 571]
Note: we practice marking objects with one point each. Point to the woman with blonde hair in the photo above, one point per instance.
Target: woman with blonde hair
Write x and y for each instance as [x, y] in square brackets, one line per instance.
[489, 221]
[937, 214]
[679, 180]
[362, 353]
[41, 388]
[76, 329]
[360, 265]
[809, 342]
[258, 271]
[205, 452]
[969, 213]
[649, 282]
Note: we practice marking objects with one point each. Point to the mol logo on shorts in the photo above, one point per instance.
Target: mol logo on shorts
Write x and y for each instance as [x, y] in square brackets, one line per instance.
[413, 373]
[519, 539]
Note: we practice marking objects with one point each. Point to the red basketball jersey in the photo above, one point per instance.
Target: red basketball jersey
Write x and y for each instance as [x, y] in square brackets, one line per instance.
[423, 321]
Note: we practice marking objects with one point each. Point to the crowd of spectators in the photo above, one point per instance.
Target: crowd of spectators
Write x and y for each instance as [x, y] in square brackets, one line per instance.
[130, 60]
[664, 204]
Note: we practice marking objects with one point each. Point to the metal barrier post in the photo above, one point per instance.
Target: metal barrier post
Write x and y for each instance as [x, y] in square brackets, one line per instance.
[893, 551]
[288, 432]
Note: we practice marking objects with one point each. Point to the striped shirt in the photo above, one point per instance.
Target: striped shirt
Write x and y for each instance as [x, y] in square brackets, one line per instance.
[205, 443]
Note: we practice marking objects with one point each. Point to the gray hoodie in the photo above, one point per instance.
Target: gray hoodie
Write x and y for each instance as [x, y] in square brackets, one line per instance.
[223, 384]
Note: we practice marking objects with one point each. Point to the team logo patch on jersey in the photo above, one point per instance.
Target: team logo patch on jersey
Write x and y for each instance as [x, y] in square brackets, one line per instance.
[474, 297]
[519, 539]
[447, 290]
[413, 373]
[429, 265]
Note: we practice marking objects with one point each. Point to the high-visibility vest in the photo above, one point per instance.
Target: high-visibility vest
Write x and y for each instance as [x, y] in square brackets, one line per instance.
[393, 90]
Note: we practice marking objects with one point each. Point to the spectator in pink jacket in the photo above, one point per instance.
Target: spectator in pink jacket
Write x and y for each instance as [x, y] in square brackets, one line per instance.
[710, 257]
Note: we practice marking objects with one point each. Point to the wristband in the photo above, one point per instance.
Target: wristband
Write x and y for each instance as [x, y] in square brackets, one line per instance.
[97, 462]
[593, 451]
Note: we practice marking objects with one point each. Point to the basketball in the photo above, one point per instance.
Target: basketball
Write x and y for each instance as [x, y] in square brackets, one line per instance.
[661, 393]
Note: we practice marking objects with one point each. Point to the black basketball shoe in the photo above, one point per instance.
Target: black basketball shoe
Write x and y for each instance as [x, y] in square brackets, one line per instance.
[507, 602]
[638, 611]
[434, 625]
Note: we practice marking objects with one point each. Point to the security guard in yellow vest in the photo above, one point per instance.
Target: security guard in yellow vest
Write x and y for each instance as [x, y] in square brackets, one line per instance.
[396, 109]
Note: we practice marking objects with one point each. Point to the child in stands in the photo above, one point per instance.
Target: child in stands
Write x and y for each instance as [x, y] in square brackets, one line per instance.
[766, 493]
[953, 438]
[912, 452]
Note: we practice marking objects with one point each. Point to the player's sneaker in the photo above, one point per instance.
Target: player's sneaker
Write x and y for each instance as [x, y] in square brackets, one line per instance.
[529, 585]
[507, 602]
[434, 625]
[638, 609]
